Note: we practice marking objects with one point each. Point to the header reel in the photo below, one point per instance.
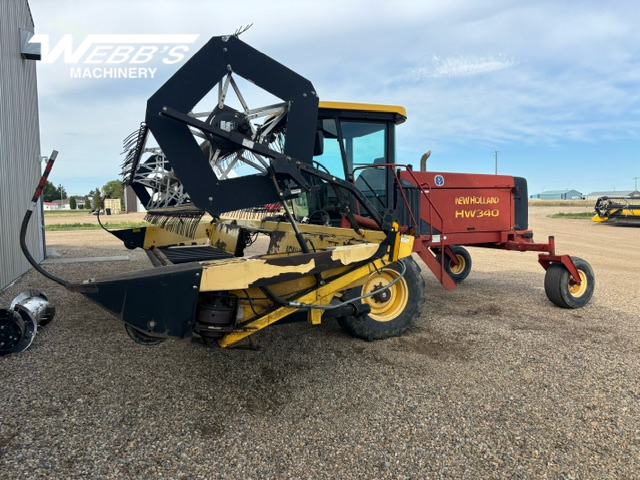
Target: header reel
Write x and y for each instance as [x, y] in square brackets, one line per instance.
[225, 158]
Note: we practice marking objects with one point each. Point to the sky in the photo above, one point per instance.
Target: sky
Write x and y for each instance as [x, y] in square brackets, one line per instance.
[551, 86]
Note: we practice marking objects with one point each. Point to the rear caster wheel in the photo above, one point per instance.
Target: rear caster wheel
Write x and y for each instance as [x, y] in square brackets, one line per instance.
[392, 309]
[562, 289]
[142, 338]
[460, 271]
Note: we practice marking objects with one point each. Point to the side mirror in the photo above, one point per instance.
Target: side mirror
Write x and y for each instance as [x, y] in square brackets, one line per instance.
[318, 145]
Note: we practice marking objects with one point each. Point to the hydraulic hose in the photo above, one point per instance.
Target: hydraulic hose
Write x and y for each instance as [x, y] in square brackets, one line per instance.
[285, 303]
[27, 217]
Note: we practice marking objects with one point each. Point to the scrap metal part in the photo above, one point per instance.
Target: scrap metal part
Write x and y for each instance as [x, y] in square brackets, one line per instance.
[19, 323]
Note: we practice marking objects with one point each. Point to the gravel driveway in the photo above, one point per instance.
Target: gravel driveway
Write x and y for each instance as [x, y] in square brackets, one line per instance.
[493, 382]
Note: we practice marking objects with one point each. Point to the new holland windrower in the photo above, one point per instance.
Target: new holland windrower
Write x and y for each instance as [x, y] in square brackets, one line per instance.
[313, 187]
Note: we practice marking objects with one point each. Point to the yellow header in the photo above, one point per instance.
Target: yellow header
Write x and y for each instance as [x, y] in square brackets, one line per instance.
[365, 107]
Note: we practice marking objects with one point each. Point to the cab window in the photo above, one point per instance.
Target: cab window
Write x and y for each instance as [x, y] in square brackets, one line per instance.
[363, 144]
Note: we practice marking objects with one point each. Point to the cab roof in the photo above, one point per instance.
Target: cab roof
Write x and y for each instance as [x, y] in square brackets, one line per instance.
[401, 112]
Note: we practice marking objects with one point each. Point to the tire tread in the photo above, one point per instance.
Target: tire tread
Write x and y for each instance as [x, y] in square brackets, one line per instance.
[368, 329]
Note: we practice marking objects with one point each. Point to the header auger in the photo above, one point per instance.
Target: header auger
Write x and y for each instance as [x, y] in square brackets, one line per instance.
[318, 182]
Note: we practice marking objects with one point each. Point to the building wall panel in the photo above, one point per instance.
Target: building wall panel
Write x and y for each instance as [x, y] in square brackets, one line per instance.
[20, 164]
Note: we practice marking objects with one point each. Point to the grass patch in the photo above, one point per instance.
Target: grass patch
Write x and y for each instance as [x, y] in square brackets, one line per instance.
[578, 215]
[93, 226]
[66, 213]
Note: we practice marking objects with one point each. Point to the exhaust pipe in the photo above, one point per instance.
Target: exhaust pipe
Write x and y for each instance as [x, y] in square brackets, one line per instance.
[19, 323]
[423, 161]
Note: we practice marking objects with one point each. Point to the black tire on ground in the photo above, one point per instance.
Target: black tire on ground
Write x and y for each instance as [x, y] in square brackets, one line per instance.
[461, 271]
[16, 331]
[393, 310]
[560, 290]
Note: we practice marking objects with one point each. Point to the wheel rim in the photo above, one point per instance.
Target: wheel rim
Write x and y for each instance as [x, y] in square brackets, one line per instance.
[390, 302]
[457, 269]
[578, 290]
[11, 330]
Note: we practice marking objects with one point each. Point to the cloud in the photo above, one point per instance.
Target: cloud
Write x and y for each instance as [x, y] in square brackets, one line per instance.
[461, 66]
[474, 76]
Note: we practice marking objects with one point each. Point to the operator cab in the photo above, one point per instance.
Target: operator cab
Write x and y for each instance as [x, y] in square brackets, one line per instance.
[349, 137]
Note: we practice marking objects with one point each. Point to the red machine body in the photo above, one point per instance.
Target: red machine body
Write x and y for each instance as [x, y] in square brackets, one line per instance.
[468, 203]
[457, 209]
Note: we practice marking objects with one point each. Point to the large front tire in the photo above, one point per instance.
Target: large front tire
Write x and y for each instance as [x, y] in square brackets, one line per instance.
[561, 288]
[394, 309]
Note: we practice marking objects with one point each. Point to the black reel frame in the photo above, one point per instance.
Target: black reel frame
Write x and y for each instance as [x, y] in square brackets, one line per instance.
[170, 121]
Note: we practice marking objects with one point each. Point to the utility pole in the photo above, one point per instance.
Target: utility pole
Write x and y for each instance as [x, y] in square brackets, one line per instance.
[495, 161]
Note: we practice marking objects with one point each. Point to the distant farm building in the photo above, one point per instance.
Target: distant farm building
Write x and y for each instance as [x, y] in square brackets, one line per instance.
[61, 204]
[559, 195]
[80, 203]
[613, 193]
[112, 206]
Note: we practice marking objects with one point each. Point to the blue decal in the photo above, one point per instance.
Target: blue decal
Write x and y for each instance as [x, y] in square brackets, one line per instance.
[439, 179]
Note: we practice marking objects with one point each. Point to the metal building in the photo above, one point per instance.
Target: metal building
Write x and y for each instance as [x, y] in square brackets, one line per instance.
[613, 193]
[132, 203]
[560, 195]
[20, 165]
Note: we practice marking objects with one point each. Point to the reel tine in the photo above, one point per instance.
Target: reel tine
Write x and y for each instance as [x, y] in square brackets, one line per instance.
[182, 222]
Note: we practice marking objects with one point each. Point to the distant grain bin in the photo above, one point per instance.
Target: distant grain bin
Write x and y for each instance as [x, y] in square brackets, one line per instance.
[19, 142]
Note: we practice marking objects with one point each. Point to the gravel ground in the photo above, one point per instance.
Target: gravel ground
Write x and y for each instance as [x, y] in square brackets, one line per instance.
[493, 382]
